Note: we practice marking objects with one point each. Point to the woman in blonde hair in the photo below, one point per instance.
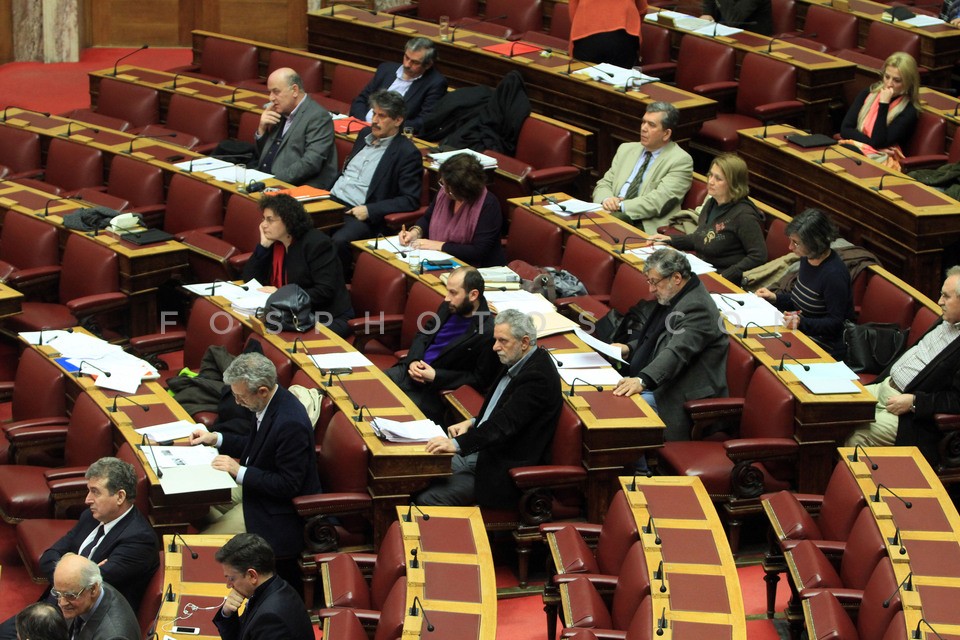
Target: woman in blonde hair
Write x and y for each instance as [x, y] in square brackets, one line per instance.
[884, 116]
[729, 233]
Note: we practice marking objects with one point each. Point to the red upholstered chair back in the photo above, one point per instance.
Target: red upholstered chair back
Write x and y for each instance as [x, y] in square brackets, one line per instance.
[764, 80]
[208, 325]
[421, 300]
[702, 61]
[241, 223]
[310, 69]
[378, 287]
[347, 82]
[768, 408]
[228, 60]
[457, 9]
[784, 15]
[654, 42]
[38, 389]
[740, 368]
[560, 25]
[865, 547]
[873, 618]
[391, 563]
[642, 621]
[137, 182]
[205, 120]
[344, 147]
[593, 265]
[629, 286]
[883, 301]
[778, 244]
[89, 435]
[88, 268]
[192, 204]
[586, 606]
[393, 612]
[26, 242]
[842, 502]
[696, 194]
[619, 531]
[134, 103]
[73, 166]
[142, 501]
[344, 625]
[837, 30]
[152, 599]
[343, 458]
[883, 40]
[249, 122]
[922, 321]
[522, 15]
[534, 240]
[567, 445]
[830, 619]
[280, 360]
[929, 137]
[347, 586]
[896, 628]
[19, 149]
[633, 584]
[542, 144]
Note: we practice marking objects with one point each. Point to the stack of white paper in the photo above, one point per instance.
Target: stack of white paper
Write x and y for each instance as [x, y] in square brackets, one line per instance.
[488, 162]
[617, 76]
[713, 29]
[186, 469]
[499, 274]
[389, 243]
[170, 431]
[345, 360]
[573, 206]
[825, 377]
[412, 431]
[697, 264]
[754, 309]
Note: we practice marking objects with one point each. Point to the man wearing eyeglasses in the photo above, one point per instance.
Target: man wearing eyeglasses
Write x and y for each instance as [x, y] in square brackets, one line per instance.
[112, 533]
[93, 609]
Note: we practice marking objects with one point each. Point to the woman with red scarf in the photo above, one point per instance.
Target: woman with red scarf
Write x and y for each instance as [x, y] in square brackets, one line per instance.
[464, 219]
[884, 116]
[292, 251]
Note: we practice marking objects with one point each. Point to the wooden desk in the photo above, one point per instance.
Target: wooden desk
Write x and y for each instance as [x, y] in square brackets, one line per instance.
[702, 597]
[455, 579]
[820, 77]
[611, 116]
[197, 581]
[10, 300]
[907, 225]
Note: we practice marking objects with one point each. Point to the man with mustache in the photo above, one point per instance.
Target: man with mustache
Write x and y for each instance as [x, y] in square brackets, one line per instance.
[383, 174]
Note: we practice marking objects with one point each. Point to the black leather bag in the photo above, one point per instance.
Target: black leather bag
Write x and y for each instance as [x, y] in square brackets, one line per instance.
[288, 309]
[873, 346]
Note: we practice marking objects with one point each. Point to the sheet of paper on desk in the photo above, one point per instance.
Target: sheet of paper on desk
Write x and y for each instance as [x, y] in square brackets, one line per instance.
[823, 370]
[921, 20]
[196, 478]
[74, 345]
[753, 309]
[713, 29]
[604, 376]
[521, 300]
[122, 379]
[618, 76]
[341, 360]
[826, 386]
[229, 174]
[433, 254]
[388, 243]
[488, 162]
[573, 206]
[170, 456]
[549, 323]
[600, 346]
[582, 360]
[203, 163]
[170, 430]
[224, 289]
[412, 431]
[681, 20]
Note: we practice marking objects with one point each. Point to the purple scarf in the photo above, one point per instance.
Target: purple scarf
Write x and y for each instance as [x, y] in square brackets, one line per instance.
[447, 226]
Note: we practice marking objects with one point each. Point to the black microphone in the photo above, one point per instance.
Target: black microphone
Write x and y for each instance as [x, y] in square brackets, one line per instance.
[333, 375]
[854, 458]
[876, 496]
[122, 58]
[730, 300]
[420, 612]
[662, 622]
[548, 198]
[256, 187]
[113, 409]
[512, 45]
[168, 594]
[916, 632]
[342, 371]
[955, 109]
[213, 286]
[414, 563]
[614, 239]
[555, 202]
[233, 97]
[407, 518]
[765, 334]
[79, 371]
[763, 134]
[46, 206]
[623, 247]
[550, 353]
[159, 135]
[294, 348]
[153, 454]
[879, 187]
[897, 539]
[633, 485]
[836, 150]
[579, 217]
[10, 106]
[67, 134]
[652, 528]
[40, 340]
[660, 575]
[630, 82]
[573, 385]
[174, 85]
[347, 132]
[788, 37]
[906, 584]
[360, 413]
[172, 547]
[806, 367]
[453, 33]
[376, 243]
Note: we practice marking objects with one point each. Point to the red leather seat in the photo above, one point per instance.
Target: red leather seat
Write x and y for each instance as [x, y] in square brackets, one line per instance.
[883, 301]
[875, 608]
[391, 619]
[594, 266]
[19, 154]
[740, 368]
[29, 254]
[707, 67]
[767, 93]
[883, 40]
[629, 286]
[89, 287]
[431, 10]
[927, 145]
[212, 258]
[203, 120]
[583, 606]
[379, 294]
[72, 166]
[308, 68]
[28, 491]
[149, 611]
[922, 321]
[344, 585]
[126, 101]
[141, 184]
[557, 37]
[39, 398]
[346, 83]
[193, 205]
[343, 625]
[224, 60]
[784, 16]
[778, 244]
[534, 239]
[422, 302]
[836, 29]
[655, 51]
[522, 15]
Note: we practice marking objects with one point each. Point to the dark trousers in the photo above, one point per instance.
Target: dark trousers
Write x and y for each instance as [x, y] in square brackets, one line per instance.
[616, 47]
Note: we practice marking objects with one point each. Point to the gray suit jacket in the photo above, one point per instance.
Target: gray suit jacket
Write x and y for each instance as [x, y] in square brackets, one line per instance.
[307, 154]
[113, 619]
[667, 182]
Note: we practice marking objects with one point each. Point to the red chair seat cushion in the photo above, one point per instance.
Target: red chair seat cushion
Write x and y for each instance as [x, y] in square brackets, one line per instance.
[707, 460]
[795, 522]
[721, 133]
[36, 536]
[575, 555]
[348, 589]
[586, 606]
[813, 567]
[41, 315]
[24, 493]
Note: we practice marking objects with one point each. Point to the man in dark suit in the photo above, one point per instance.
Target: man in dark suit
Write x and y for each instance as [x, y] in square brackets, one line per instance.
[277, 460]
[112, 533]
[274, 610]
[922, 382]
[93, 609]
[41, 621]
[295, 137]
[420, 84]
[515, 426]
[383, 174]
[452, 349]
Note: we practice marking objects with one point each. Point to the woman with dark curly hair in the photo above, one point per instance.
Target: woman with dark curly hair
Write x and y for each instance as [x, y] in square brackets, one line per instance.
[822, 297]
[292, 251]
